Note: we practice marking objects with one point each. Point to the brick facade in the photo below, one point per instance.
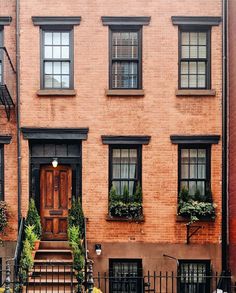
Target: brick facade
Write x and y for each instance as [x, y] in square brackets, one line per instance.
[159, 114]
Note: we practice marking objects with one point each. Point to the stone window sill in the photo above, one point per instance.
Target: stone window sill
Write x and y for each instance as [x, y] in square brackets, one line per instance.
[189, 92]
[56, 93]
[186, 220]
[120, 219]
[128, 92]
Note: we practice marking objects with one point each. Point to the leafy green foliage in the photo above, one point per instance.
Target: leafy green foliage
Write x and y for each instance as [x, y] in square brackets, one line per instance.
[26, 262]
[76, 215]
[33, 218]
[195, 208]
[126, 206]
[30, 235]
[3, 216]
[78, 253]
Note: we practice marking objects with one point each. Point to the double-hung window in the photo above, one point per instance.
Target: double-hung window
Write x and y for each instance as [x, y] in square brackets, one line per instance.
[125, 168]
[194, 168]
[1, 173]
[194, 59]
[57, 61]
[125, 58]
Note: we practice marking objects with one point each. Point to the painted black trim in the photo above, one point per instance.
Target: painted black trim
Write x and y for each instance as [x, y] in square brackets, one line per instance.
[5, 139]
[5, 20]
[56, 20]
[113, 139]
[196, 20]
[195, 139]
[55, 133]
[126, 20]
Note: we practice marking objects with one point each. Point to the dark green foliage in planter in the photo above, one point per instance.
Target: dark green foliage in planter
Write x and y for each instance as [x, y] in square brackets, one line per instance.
[30, 235]
[126, 206]
[74, 236]
[76, 215]
[26, 261]
[33, 219]
[3, 216]
[195, 207]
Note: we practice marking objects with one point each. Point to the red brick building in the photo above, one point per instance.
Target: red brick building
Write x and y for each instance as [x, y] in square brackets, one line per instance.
[123, 94]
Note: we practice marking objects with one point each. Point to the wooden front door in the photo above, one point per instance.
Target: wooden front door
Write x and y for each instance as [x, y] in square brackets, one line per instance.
[55, 200]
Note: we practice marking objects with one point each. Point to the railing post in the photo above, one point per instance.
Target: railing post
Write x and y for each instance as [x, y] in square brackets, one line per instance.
[90, 282]
[8, 277]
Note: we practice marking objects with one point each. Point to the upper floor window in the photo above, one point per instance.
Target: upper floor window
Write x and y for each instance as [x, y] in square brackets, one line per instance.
[194, 169]
[125, 58]
[57, 62]
[194, 59]
[1, 173]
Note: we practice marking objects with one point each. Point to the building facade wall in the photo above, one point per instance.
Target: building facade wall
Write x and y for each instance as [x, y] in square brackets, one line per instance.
[159, 114]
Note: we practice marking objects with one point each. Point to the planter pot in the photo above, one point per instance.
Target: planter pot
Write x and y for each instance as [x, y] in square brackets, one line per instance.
[36, 245]
[33, 253]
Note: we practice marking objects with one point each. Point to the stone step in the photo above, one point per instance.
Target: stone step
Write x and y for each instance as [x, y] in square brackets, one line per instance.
[52, 269]
[53, 254]
[54, 245]
[54, 279]
[53, 262]
[49, 288]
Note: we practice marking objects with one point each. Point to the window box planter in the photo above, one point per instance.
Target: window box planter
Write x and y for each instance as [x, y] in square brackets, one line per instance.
[110, 218]
[186, 219]
[130, 210]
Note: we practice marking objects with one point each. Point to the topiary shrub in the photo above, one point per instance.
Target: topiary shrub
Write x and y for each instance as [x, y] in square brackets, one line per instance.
[26, 261]
[30, 235]
[76, 215]
[33, 219]
[3, 216]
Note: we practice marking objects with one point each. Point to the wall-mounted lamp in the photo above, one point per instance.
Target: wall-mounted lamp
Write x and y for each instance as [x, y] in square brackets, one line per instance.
[55, 162]
[98, 249]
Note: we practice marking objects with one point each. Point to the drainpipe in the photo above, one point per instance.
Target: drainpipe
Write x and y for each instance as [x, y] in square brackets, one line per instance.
[18, 107]
[224, 139]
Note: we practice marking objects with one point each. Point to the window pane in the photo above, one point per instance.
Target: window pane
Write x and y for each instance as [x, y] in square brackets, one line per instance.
[116, 185]
[124, 155]
[201, 67]
[193, 156]
[65, 81]
[184, 171]
[133, 156]
[48, 67]
[56, 38]
[123, 184]
[132, 171]
[201, 171]
[193, 171]
[56, 81]
[192, 187]
[65, 68]
[48, 52]
[116, 155]
[184, 184]
[131, 188]
[193, 38]
[185, 38]
[201, 81]
[202, 38]
[65, 38]
[124, 171]
[201, 187]
[116, 171]
[65, 52]
[202, 52]
[47, 38]
[56, 67]
[184, 67]
[184, 81]
[184, 156]
[185, 51]
[192, 67]
[193, 81]
[56, 52]
[193, 52]
[48, 81]
[201, 155]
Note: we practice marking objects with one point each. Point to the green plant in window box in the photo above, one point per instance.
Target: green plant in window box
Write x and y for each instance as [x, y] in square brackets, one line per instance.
[196, 207]
[126, 206]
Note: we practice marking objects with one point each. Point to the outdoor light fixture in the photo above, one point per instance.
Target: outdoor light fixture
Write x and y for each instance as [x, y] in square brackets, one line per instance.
[54, 162]
[98, 249]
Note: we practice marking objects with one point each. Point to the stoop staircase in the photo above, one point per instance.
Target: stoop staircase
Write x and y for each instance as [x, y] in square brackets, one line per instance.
[53, 269]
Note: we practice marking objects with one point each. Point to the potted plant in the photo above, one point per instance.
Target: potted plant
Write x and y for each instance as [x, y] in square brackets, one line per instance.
[3, 216]
[196, 207]
[32, 238]
[33, 219]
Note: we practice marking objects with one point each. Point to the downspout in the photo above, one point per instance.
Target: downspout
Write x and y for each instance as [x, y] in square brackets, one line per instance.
[225, 139]
[18, 107]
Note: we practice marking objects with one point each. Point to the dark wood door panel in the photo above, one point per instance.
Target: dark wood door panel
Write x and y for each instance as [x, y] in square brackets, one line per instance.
[55, 199]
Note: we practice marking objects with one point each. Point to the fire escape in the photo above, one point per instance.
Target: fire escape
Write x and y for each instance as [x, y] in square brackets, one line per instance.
[7, 82]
